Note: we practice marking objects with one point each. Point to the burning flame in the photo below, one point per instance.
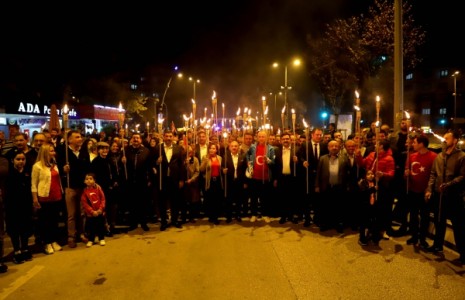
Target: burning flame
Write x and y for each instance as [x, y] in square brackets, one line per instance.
[284, 109]
[305, 123]
[214, 95]
[357, 95]
[238, 111]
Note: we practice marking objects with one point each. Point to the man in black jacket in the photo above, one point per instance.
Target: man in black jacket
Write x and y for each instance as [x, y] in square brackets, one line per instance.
[74, 163]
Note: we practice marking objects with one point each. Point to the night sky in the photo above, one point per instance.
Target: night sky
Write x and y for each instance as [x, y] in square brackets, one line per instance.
[229, 45]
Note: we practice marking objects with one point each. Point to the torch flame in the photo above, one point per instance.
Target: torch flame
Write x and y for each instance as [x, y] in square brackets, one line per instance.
[214, 95]
[284, 109]
[407, 115]
[238, 111]
[356, 94]
[65, 109]
[305, 123]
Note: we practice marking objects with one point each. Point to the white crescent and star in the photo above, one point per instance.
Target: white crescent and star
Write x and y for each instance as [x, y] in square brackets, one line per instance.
[419, 169]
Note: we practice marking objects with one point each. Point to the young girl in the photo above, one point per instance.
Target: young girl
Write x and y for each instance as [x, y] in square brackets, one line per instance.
[367, 222]
[18, 208]
[93, 202]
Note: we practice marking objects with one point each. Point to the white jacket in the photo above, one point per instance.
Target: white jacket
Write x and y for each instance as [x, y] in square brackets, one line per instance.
[41, 179]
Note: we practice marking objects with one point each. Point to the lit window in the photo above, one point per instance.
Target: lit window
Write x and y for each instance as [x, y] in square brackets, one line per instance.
[133, 86]
[409, 76]
[444, 73]
[426, 111]
[442, 111]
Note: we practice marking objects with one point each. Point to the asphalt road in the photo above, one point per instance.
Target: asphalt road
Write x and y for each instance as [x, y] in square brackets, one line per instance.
[237, 261]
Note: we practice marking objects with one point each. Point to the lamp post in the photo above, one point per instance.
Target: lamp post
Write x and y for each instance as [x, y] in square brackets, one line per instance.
[456, 73]
[275, 112]
[195, 81]
[167, 87]
[296, 62]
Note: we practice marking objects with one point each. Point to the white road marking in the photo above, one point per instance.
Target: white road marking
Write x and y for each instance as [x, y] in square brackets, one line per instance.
[20, 281]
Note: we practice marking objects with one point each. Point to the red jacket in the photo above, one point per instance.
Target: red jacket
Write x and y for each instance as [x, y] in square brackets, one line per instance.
[93, 199]
[385, 164]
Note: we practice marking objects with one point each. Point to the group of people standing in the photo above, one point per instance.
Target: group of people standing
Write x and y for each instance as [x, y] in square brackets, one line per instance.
[171, 179]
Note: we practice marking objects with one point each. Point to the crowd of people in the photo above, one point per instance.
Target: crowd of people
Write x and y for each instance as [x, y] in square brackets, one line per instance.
[97, 183]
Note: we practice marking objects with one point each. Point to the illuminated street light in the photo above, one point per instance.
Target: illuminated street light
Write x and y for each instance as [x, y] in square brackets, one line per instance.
[195, 81]
[275, 111]
[160, 114]
[296, 62]
[456, 73]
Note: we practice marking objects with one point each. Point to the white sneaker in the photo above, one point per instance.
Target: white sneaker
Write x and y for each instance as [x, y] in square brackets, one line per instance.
[253, 219]
[56, 246]
[102, 243]
[89, 244]
[267, 219]
[49, 249]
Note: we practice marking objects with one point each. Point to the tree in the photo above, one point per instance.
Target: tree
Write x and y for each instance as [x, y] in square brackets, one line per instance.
[354, 53]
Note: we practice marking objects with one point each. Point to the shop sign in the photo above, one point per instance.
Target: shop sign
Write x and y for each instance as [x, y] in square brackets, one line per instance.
[36, 109]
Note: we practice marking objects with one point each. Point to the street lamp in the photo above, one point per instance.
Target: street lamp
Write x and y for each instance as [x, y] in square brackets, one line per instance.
[195, 81]
[456, 73]
[275, 112]
[296, 62]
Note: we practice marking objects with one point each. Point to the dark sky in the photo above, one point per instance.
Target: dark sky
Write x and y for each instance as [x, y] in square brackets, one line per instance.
[229, 45]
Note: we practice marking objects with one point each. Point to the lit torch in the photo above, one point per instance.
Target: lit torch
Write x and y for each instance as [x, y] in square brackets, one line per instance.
[295, 138]
[358, 117]
[378, 106]
[160, 133]
[194, 109]
[282, 117]
[407, 115]
[306, 149]
[65, 126]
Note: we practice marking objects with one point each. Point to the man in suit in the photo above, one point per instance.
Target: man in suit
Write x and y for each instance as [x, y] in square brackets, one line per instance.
[234, 166]
[316, 149]
[286, 180]
[332, 182]
[173, 174]
[201, 150]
